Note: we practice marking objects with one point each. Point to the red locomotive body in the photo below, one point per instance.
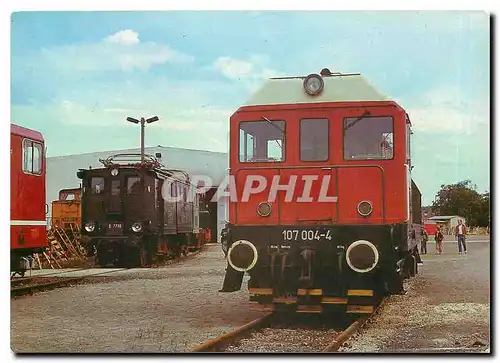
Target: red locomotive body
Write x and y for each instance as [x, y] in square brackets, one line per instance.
[326, 211]
[28, 227]
[381, 181]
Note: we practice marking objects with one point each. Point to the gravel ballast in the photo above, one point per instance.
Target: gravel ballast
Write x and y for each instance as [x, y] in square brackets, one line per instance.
[169, 309]
[285, 340]
[446, 307]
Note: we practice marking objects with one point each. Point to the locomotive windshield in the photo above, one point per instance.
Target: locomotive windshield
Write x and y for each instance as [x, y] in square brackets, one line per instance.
[262, 141]
[97, 185]
[134, 185]
[314, 139]
[368, 138]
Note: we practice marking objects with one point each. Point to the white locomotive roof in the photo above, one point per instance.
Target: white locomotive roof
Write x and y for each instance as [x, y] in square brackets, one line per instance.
[337, 88]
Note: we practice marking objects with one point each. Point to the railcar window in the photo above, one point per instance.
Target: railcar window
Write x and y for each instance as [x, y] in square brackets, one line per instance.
[262, 141]
[314, 139]
[97, 185]
[32, 157]
[134, 185]
[173, 190]
[368, 138]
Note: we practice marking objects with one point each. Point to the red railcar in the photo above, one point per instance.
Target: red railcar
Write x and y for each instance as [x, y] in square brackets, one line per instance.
[326, 214]
[28, 227]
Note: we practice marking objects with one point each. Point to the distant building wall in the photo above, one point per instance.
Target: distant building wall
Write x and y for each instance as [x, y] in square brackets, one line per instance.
[447, 223]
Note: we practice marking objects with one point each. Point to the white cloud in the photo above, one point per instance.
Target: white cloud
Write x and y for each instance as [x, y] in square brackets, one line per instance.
[251, 72]
[175, 114]
[126, 37]
[234, 68]
[120, 51]
[448, 110]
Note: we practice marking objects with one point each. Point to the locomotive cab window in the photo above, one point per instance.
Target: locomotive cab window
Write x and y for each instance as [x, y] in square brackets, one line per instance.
[134, 185]
[262, 141]
[115, 187]
[32, 157]
[368, 138]
[97, 185]
[314, 139]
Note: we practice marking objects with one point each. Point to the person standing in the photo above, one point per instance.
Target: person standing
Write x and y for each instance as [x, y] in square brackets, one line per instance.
[423, 245]
[460, 233]
[438, 237]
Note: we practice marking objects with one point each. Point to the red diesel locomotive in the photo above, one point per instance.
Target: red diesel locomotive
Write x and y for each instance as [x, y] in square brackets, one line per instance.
[326, 215]
[28, 227]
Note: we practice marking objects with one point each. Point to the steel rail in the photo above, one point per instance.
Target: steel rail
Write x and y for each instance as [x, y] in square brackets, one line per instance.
[218, 343]
[29, 289]
[350, 331]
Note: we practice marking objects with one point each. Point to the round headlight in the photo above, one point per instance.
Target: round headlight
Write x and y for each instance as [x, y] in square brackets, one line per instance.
[362, 256]
[136, 227]
[264, 209]
[313, 84]
[242, 255]
[90, 226]
[365, 208]
[114, 172]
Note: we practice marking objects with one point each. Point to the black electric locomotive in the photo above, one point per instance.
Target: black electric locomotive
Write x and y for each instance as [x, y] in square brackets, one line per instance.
[137, 213]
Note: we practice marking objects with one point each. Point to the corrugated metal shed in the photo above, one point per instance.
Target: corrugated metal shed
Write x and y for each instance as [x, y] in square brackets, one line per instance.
[61, 170]
[337, 88]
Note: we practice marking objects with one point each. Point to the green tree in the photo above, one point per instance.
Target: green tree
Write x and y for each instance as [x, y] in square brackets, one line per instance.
[462, 199]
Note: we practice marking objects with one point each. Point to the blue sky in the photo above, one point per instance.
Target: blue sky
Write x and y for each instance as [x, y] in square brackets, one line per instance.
[77, 76]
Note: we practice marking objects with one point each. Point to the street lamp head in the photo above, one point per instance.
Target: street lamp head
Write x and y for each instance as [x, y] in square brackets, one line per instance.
[152, 119]
[133, 120]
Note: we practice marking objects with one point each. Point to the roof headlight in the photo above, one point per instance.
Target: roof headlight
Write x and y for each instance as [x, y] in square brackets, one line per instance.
[313, 84]
[114, 172]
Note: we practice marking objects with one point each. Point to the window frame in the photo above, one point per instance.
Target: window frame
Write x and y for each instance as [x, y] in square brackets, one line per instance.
[128, 188]
[33, 144]
[342, 124]
[92, 189]
[328, 140]
[283, 145]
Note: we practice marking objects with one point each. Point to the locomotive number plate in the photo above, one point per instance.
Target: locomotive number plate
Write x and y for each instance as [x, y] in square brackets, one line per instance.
[115, 225]
[306, 235]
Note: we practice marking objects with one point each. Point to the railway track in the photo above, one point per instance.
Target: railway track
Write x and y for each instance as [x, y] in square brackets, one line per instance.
[51, 281]
[270, 335]
[54, 279]
[22, 280]
[288, 333]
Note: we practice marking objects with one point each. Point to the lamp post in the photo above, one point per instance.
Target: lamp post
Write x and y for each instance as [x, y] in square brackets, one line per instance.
[143, 123]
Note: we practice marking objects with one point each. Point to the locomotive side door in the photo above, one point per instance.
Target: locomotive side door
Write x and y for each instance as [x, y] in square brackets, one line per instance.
[169, 207]
[149, 200]
[159, 205]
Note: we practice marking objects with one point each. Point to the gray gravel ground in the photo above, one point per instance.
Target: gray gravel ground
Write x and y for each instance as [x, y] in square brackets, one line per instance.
[278, 340]
[169, 309]
[446, 308]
